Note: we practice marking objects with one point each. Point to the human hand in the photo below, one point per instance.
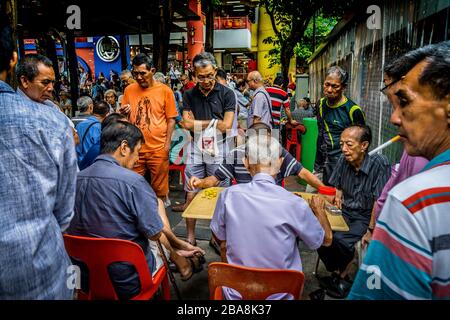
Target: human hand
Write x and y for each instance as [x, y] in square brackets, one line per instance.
[366, 240]
[338, 199]
[317, 205]
[195, 183]
[125, 109]
[294, 122]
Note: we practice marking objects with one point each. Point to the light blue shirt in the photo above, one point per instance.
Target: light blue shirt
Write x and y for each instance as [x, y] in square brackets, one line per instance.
[38, 169]
[261, 223]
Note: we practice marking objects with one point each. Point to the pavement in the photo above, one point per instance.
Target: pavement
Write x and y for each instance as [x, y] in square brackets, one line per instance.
[196, 288]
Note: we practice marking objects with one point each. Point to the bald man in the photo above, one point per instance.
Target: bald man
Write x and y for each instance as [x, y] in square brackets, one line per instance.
[261, 109]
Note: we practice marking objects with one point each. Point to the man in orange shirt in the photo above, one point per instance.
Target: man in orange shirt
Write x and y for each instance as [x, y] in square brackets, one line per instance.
[151, 107]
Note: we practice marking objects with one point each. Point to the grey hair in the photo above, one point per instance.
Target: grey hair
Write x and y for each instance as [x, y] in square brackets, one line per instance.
[339, 72]
[203, 60]
[126, 72]
[159, 76]
[83, 103]
[262, 149]
[111, 91]
[28, 66]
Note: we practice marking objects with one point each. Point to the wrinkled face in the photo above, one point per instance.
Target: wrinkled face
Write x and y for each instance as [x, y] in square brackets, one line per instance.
[251, 83]
[421, 118]
[125, 80]
[110, 98]
[132, 156]
[206, 77]
[333, 88]
[142, 75]
[353, 150]
[41, 88]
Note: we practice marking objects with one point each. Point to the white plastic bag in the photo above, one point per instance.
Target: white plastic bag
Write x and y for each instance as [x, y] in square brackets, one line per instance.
[208, 140]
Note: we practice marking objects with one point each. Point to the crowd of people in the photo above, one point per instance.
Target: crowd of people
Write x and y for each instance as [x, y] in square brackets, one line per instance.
[105, 173]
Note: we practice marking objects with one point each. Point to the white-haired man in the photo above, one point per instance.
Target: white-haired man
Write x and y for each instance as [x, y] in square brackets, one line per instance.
[246, 212]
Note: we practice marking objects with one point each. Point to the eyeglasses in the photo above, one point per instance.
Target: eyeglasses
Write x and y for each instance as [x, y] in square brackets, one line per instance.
[248, 80]
[383, 90]
[205, 78]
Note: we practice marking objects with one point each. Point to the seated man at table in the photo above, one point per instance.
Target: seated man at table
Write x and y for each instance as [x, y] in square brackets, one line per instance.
[112, 201]
[233, 166]
[260, 221]
[359, 179]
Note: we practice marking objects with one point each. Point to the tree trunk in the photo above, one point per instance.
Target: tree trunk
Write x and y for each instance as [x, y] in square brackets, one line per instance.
[209, 37]
[286, 52]
[161, 35]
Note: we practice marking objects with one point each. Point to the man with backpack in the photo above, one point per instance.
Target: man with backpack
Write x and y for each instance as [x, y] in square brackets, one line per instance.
[90, 130]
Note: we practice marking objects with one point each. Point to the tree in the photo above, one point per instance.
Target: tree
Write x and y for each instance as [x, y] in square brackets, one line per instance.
[290, 19]
[305, 48]
[161, 25]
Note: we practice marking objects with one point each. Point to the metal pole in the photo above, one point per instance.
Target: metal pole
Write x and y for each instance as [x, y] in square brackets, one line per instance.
[169, 272]
[182, 53]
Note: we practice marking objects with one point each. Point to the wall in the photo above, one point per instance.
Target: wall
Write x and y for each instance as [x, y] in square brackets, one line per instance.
[405, 25]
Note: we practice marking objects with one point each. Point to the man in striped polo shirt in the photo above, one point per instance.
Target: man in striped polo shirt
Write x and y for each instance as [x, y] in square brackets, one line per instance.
[280, 101]
[409, 255]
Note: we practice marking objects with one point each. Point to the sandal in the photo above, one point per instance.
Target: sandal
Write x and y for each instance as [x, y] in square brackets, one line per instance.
[213, 244]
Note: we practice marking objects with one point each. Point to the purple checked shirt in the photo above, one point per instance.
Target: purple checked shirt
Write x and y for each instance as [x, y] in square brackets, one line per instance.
[261, 223]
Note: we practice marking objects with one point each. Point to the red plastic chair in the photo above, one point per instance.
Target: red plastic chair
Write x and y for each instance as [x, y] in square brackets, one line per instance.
[253, 283]
[293, 141]
[179, 167]
[98, 253]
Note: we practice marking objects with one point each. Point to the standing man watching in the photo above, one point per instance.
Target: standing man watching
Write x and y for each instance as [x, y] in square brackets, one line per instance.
[260, 109]
[208, 100]
[151, 107]
[335, 113]
[410, 247]
[38, 169]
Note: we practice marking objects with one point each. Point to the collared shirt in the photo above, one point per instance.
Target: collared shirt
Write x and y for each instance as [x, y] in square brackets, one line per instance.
[261, 222]
[260, 107]
[360, 189]
[233, 167]
[89, 132]
[300, 113]
[408, 167]
[243, 102]
[115, 202]
[38, 169]
[213, 106]
[410, 245]
[280, 101]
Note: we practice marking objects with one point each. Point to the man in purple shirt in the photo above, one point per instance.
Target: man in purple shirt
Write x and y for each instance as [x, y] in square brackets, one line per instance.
[261, 221]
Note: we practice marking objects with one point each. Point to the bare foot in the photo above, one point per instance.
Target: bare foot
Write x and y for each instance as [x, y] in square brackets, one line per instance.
[190, 253]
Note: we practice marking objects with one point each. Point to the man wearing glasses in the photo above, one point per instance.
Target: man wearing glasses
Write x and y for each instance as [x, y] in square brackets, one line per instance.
[208, 100]
[260, 109]
[151, 107]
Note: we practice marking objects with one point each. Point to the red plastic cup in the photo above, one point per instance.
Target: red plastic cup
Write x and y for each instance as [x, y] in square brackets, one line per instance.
[328, 193]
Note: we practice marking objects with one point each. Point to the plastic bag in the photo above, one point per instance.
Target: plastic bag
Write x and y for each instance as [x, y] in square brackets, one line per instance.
[208, 139]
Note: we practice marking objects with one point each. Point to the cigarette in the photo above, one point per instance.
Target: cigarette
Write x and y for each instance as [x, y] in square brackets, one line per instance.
[384, 145]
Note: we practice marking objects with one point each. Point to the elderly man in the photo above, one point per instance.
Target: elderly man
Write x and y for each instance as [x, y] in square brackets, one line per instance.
[208, 101]
[259, 219]
[112, 201]
[233, 166]
[409, 254]
[111, 100]
[359, 179]
[260, 109]
[335, 113]
[151, 106]
[38, 169]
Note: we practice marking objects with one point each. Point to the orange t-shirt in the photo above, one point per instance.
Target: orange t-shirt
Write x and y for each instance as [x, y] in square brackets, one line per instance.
[150, 110]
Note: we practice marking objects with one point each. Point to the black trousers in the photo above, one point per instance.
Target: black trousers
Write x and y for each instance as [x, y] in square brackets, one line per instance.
[342, 249]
